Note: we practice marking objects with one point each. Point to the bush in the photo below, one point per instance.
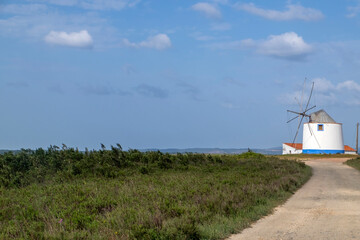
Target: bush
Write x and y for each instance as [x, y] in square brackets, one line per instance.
[116, 194]
[28, 166]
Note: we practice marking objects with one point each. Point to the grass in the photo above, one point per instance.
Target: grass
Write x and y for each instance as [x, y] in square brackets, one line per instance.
[355, 163]
[314, 156]
[207, 198]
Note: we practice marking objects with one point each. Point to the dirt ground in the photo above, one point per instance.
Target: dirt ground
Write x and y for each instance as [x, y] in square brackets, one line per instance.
[326, 207]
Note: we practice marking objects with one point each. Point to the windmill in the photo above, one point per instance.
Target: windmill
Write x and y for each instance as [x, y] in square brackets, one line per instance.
[303, 111]
[321, 135]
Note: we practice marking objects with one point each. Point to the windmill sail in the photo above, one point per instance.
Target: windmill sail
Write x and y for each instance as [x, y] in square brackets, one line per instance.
[303, 112]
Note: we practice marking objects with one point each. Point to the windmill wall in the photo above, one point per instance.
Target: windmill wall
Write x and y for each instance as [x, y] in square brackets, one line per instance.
[323, 138]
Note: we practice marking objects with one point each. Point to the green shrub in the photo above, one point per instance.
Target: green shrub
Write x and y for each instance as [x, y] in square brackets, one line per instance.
[115, 194]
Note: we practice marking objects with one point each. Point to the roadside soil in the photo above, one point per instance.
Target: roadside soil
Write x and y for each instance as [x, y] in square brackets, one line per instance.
[326, 207]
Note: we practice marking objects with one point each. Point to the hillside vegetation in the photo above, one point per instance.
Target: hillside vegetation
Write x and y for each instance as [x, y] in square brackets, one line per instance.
[115, 194]
[355, 163]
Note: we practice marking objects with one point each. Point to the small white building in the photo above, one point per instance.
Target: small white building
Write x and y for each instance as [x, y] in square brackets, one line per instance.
[349, 150]
[296, 148]
[291, 148]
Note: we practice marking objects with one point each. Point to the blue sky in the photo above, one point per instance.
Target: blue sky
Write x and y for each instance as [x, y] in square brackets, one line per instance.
[161, 74]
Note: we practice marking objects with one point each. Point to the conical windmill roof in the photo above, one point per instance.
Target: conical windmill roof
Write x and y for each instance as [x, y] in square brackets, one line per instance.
[321, 116]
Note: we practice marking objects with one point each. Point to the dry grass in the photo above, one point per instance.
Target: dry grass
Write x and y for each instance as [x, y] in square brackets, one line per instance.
[305, 157]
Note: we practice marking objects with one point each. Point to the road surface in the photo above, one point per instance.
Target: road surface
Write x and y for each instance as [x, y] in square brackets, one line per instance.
[326, 207]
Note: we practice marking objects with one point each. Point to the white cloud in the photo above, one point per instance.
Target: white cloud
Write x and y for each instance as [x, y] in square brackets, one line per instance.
[34, 27]
[349, 85]
[287, 45]
[292, 12]
[326, 93]
[127, 43]
[160, 42]
[323, 85]
[80, 39]
[208, 9]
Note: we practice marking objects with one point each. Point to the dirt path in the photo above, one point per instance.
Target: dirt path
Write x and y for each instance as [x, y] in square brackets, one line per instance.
[326, 207]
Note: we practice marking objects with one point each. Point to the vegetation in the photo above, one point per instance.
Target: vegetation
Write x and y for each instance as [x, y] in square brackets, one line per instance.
[115, 194]
[305, 157]
[355, 163]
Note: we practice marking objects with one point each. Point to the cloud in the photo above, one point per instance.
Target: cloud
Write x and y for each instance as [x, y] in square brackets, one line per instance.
[349, 85]
[58, 2]
[292, 12]
[103, 90]
[192, 91]
[326, 93]
[151, 91]
[353, 11]
[93, 4]
[80, 39]
[225, 2]
[201, 37]
[159, 42]
[108, 4]
[33, 21]
[208, 9]
[38, 24]
[221, 26]
[23, 9]
[288, 45]
[323, 85]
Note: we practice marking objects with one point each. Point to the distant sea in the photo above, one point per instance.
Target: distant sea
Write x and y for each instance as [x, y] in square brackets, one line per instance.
[266, 151]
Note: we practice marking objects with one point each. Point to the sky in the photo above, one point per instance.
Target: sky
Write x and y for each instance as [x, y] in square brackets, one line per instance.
[174, 74]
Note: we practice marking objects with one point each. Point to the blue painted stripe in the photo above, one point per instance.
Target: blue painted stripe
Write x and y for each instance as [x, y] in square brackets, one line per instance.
[320, 151]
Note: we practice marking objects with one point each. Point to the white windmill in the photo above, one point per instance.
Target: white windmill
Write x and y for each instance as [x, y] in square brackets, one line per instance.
[321, 134]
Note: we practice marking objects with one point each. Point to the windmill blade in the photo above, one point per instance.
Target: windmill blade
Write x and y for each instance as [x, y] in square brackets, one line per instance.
[293, 118]
[297, 131]
[302, 95]
[312, 88]
[310, 108]
[294, 112]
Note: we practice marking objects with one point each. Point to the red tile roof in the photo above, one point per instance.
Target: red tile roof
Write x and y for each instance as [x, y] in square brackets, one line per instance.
[347, 148]
[297, 146]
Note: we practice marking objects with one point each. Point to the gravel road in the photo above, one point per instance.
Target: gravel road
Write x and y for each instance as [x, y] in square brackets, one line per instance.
[326, 207]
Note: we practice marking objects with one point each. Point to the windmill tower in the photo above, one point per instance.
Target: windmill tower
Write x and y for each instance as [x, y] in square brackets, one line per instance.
[321, 134]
